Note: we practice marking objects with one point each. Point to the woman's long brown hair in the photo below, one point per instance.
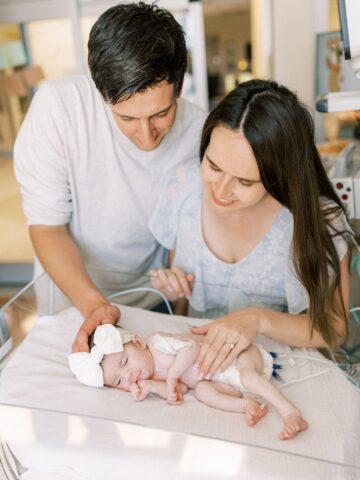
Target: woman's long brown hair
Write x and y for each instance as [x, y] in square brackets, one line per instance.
[280, 131]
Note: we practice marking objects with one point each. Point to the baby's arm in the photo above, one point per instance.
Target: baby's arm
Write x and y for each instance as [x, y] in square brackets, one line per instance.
[184, 353]
[183, 360]
[141, 390]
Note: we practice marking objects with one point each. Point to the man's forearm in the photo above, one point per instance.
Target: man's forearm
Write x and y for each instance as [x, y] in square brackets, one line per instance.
[60, 257]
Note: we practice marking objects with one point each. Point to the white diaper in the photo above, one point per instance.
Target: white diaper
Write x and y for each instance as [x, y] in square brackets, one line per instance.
[231, 375]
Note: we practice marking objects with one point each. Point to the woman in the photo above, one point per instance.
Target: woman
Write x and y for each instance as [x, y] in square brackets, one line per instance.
[260, 228]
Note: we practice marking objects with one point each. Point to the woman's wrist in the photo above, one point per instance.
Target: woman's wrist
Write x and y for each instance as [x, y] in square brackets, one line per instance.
[262, 316]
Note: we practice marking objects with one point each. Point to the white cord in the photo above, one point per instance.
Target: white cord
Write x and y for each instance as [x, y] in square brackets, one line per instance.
[297, 380]
[355, 309]
[143, 289]
[316, 359]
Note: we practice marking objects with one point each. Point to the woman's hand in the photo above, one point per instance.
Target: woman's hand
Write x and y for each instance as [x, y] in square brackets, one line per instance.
[225, 338]
[173, 283]
[103, 313]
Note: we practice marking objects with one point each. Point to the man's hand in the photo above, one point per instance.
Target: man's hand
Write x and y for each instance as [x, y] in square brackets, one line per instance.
[103, 313]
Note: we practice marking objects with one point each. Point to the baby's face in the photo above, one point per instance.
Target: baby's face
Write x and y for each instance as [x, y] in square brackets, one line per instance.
[125, 368]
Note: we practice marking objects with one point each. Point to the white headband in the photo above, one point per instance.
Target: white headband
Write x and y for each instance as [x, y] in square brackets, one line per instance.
[86, 366]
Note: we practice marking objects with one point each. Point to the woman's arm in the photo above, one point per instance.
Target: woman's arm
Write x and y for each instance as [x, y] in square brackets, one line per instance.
[226, 337]
[295, 330]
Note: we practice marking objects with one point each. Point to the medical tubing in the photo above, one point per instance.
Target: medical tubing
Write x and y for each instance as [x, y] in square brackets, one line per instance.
[143, 289]
[298, 380]
[356, 245]
[353, 312]
[320, 360]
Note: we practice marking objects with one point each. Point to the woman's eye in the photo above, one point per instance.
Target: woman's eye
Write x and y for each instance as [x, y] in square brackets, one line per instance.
[245, 184]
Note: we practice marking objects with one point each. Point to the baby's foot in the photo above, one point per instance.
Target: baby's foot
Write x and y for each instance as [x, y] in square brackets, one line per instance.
[254, 411]
[293, 424]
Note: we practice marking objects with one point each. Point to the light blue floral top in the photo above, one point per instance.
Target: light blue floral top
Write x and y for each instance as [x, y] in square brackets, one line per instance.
[264, 278]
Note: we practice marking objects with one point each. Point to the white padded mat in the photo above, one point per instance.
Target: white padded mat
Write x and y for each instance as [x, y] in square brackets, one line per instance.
[37, 375]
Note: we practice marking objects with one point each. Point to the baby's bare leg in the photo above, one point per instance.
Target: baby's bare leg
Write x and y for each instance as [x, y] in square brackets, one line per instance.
[250, 365]
[224, 397]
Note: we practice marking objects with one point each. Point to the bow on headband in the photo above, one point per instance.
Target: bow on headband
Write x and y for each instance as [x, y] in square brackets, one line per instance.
[107, 340]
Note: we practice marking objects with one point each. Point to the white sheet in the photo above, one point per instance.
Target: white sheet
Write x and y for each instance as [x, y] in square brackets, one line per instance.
[38, 376]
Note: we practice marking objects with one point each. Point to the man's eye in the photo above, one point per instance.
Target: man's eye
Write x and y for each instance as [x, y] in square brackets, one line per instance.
[160, 115]
[214, 168]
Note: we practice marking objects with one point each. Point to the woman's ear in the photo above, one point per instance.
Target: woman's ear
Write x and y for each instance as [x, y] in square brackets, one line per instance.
[139, 342]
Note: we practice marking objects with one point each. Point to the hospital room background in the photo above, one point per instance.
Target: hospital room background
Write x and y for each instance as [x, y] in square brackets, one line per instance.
[295, 42]
[229, 41]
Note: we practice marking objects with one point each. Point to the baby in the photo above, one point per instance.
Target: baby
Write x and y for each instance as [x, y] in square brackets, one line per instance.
[165, 367]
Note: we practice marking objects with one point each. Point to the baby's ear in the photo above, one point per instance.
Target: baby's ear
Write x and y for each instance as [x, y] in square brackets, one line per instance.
[139, 342]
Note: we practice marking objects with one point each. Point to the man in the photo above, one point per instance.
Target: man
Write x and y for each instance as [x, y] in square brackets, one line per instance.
[91, 155]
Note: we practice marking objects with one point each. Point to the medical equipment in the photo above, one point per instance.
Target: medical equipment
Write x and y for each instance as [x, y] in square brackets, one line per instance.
[349, 18]
[345, 178]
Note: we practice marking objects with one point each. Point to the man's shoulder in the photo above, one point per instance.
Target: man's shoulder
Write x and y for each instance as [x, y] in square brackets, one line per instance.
[70, 86]
[191, 112]
[190, 107]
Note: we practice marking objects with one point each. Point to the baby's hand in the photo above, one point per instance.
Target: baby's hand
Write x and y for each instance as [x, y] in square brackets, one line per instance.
[173, 283]
[139, 391]
[175, 391]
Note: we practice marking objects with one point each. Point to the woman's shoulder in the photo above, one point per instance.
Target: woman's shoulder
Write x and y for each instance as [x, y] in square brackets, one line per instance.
[282, 226]
[183, 181]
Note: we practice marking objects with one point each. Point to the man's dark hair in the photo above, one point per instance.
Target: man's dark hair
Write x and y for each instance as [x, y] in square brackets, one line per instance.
[134, 46]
